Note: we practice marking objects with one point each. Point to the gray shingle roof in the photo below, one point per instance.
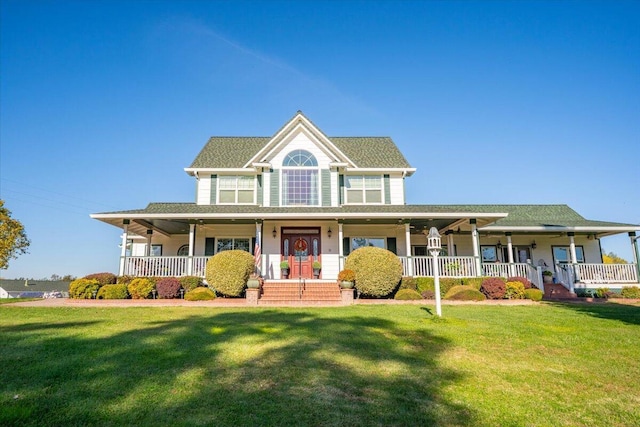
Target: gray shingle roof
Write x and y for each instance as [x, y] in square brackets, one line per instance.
[519, 215]
[235, 152]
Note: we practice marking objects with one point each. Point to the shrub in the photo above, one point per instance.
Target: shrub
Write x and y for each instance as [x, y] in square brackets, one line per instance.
[200, 294]
[630, 292]
[464, 293]
[227, 272]
[83, 288]
[103, 278]
[514, 290]
[446, 283]
[124, 280]
[474, 282]
[408, 282]
[424, 284]
[493, 288]
[140, 288]
[407, 294]
[428, 294]
[168, 288]
[526, 282]
[189, 283]
[346, 276]
[603, 293]
[584, 293]
[378, 270]
[533, 294]
[118, 291]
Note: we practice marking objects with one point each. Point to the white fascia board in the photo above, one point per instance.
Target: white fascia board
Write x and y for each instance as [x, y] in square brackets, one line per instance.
[261, 165]
[405, 171]
[556, 228]
[192, 171]
[305, 215]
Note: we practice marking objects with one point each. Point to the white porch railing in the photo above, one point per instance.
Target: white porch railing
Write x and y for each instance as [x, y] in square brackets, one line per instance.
[506, 270]
[448, 266]
[606, 273]
[164, 266]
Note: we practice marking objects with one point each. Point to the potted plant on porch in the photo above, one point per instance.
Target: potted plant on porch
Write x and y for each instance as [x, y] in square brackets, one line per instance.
[547, 277]
[316, 269]
[346, 278]
[284, 269]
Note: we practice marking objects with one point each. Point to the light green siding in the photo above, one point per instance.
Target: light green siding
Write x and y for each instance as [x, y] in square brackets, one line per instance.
[325, 176]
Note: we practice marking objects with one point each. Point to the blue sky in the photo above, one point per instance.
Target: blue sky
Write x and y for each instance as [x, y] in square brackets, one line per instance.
[102, 104]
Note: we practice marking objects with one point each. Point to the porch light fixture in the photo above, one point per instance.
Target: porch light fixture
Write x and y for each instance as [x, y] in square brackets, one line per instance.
[499, 245]
[329, 232]
[434, 244]
[274, 232]
[533, 245]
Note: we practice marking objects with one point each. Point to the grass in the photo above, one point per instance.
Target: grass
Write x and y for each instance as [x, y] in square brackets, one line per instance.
[538, 365]
[15, 300]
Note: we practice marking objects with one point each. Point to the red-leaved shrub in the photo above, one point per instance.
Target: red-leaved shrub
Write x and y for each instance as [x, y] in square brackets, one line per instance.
[103, 278]
[493, 288]
[168, 288]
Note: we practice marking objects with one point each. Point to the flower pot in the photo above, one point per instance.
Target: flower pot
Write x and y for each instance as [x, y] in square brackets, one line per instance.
[316, 273]
[345, 284]
[253, 283]
[547, 279]
[284, 273]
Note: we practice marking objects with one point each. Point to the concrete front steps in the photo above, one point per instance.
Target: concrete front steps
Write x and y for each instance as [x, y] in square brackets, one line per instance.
[557, 292]
[292, 292]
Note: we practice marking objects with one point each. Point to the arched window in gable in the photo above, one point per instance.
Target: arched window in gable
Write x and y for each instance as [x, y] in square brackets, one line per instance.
[300, 183]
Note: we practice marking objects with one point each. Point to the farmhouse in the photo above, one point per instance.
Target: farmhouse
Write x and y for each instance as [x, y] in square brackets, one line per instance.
[303, 197]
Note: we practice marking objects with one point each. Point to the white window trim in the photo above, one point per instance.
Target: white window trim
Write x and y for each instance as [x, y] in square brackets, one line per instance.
[364, 190]
[383, 238]
[298, 168]
[233, 239]
[218, 190]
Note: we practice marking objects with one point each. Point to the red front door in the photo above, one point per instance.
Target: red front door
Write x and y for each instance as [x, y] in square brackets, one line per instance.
[301, 247]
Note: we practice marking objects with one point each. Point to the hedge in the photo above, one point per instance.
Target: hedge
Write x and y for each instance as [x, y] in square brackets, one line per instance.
[407, 295]
[103, 278]
[200, 294]
[533, 294]
[168, 288]
[140, 288]
[118, 291]
[83, 288]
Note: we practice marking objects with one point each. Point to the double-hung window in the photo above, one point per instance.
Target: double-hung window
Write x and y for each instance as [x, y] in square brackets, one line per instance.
[363, 189]
[229, 244]
[236, 189]
[562, 254]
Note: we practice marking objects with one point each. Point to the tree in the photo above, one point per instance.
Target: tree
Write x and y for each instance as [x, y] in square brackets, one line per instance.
[611, 258]
[13, 239]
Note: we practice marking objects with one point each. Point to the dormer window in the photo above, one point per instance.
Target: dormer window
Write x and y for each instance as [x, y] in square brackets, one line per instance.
[362, 189]
[236, 189]
[300, 184]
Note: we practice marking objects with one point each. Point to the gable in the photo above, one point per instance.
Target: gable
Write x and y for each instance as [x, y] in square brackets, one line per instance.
[242, 152]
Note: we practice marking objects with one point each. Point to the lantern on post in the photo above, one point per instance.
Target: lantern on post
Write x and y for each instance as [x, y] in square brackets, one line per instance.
[433, 246]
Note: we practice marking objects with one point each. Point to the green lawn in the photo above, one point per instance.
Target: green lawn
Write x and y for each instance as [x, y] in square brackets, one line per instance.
[538, 365]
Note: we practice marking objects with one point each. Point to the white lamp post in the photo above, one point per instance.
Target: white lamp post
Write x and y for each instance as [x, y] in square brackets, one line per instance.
[433, 246]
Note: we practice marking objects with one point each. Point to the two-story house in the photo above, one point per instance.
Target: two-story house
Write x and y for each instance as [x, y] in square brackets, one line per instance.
[302, 196]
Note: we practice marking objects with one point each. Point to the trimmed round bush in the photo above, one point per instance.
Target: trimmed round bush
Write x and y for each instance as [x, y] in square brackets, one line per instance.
[409, 283]
[378, 271]
[533, 294]
[526, 282]
[407, 295]
[103, 278]
[83, 288]
[474, 282]
[514, 290]
[118, 291]
[140, 288]
[446, 283]
[493, 288]
[228, 271]
[200, 294]
[168, 288]
[630, 292]
[465, 293]
[189, 283]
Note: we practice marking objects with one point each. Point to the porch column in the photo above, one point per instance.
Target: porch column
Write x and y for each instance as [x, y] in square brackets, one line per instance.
[340, 246]
[407, 239]
[123, 250]
[510, 253]
[148, 249]
[636, 252]
[476, 246]
[257, 254]
[192, 243]
[450, 245]
[572, 247]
